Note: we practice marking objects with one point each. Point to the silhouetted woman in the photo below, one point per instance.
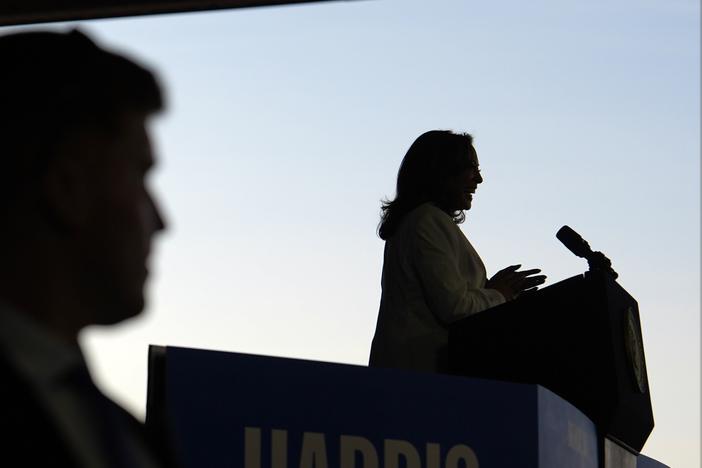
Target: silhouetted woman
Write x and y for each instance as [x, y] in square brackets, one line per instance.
[432, 275]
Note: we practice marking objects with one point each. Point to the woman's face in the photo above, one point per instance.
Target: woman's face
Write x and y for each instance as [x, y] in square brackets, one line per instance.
[461, 186]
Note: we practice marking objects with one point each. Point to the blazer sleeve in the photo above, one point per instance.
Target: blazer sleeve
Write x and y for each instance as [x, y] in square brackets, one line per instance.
[448, 293]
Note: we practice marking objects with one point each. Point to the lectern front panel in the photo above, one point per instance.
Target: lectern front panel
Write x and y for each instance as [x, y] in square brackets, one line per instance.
[581, 338]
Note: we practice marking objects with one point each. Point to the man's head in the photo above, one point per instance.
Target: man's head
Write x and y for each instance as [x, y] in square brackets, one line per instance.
[74, 156]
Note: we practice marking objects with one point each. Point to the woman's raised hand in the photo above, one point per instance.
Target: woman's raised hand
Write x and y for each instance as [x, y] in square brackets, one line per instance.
[511, 282]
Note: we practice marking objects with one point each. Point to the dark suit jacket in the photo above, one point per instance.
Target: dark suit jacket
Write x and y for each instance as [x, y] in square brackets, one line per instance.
[30, 438]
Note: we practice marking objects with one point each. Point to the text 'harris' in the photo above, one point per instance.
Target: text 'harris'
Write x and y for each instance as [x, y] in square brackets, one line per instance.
[354, 452]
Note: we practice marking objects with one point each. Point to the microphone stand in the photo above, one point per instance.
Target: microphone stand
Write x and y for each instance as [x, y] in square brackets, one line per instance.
[597, 261]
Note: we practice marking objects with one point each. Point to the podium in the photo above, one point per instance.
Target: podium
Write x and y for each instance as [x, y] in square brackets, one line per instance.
[580, 338]
[244, 411]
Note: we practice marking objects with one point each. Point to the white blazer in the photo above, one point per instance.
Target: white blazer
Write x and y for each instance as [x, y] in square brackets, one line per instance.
[431, 277]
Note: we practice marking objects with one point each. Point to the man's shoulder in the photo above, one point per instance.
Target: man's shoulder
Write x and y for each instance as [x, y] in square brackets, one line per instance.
[19, 403]
[11, 382]
[30, 433]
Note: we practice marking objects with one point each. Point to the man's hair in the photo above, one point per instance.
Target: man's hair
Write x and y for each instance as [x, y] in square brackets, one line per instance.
[53, 83]
[433, 157]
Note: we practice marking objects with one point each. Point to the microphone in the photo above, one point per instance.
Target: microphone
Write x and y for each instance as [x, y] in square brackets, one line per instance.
[574, 242]
[579, 246]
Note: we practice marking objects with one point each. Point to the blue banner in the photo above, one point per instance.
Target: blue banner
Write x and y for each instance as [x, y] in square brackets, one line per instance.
[243, 411]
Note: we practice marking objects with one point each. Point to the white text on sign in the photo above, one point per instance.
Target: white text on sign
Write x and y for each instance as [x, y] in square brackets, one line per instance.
[352, 449]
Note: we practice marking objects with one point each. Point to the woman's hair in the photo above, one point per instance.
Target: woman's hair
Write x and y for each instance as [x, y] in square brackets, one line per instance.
[430, 161]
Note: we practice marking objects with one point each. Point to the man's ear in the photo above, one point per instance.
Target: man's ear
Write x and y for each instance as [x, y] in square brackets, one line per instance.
[67, 192]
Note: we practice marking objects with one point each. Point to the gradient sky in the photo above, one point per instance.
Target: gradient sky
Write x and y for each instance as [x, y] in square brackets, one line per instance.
[286, 126]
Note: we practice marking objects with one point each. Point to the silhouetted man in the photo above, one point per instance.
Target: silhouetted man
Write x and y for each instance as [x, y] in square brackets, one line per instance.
[77, 228]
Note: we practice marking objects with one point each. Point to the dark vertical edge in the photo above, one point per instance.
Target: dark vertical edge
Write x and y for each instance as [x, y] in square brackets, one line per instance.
[157, 428]
[539, 442]
[156, 387]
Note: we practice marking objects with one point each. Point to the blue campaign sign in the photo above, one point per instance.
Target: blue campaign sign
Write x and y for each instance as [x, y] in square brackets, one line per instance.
[244, 411]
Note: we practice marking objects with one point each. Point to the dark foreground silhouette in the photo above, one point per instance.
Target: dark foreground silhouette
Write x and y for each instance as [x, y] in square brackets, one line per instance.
[78, 224]
[432, 275]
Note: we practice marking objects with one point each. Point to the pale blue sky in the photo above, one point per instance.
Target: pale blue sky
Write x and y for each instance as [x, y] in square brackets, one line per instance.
[286, 127]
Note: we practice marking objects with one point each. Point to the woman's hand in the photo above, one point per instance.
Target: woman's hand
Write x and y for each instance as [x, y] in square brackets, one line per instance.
[511, 283]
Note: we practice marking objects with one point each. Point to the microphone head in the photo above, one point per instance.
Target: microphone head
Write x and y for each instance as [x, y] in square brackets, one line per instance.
[573, 241]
